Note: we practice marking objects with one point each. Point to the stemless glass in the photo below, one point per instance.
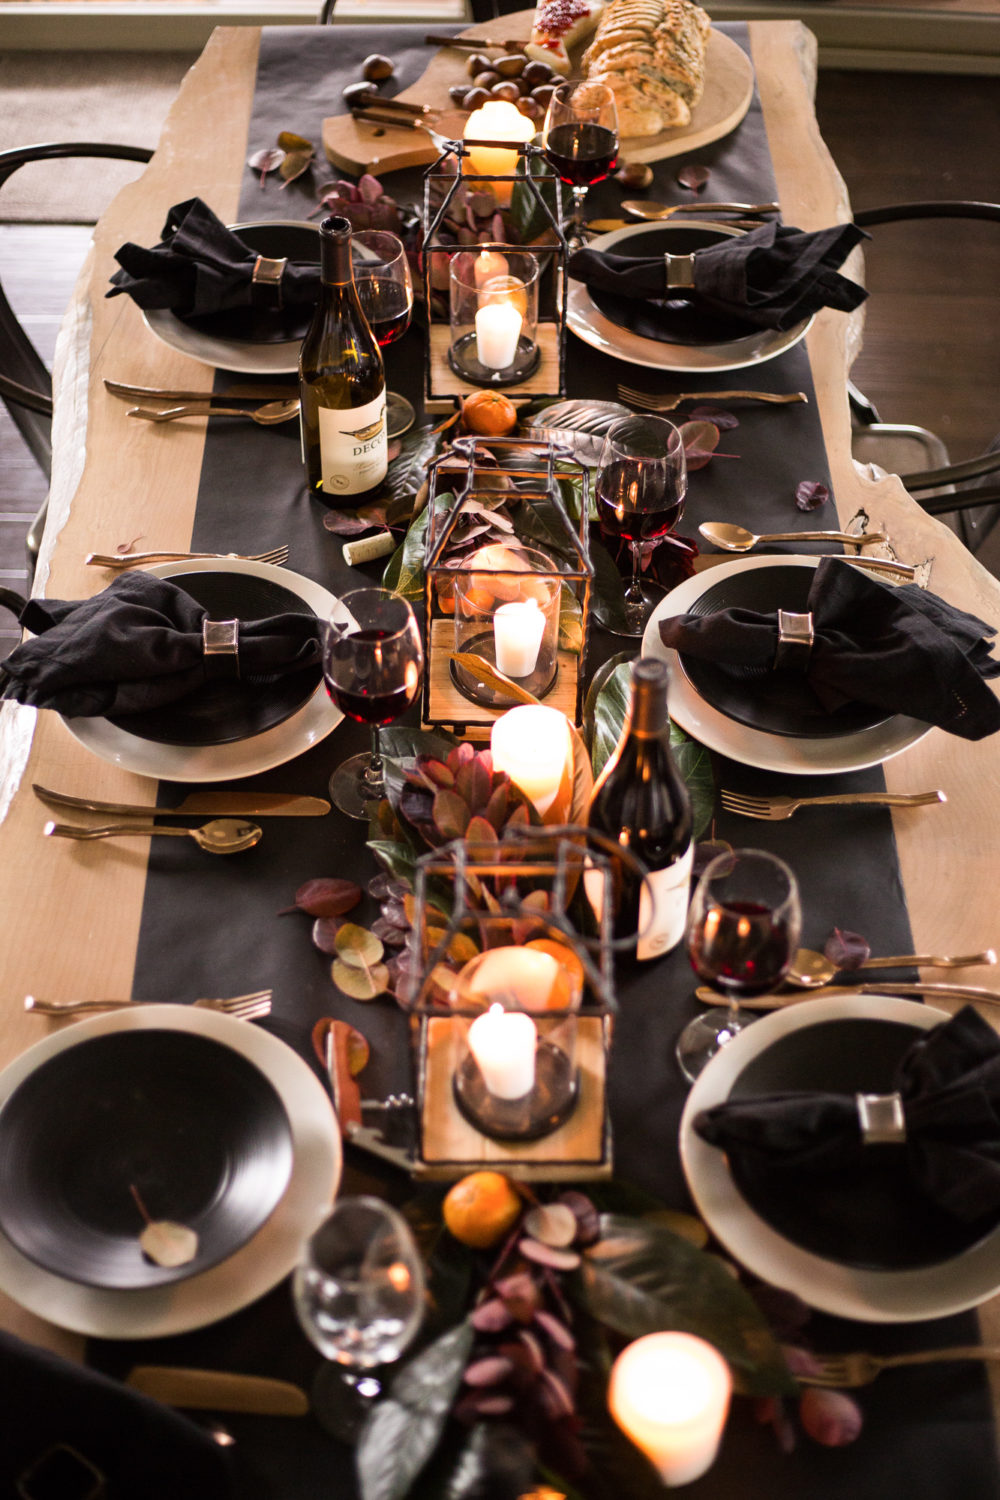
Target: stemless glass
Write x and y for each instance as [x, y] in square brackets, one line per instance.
[580, 140]
[359, 1295]
[372, 660]
[742, 933]
[640, 491]
[385, 289]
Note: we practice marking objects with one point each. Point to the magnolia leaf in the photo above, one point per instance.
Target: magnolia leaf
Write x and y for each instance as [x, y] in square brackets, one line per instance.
[526, 218]
[608, 600]
[396, 858]
[606, 708]
[357, 946]
[640, 1278]
[404, 573]
[481, 669]
[811, 494]
[407, 473]
[168, 1244]
[570, 621]
[360, 984]
[405, 1427]
[695, 765]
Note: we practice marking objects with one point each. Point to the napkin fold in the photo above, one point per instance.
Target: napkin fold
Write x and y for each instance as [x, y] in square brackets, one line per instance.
[771, 277]
[901, 649]
[58, 1418]
[139, 645]
[949, 1081]
[202, 267]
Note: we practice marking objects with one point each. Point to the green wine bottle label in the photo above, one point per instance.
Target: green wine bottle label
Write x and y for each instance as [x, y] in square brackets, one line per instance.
[353, 447]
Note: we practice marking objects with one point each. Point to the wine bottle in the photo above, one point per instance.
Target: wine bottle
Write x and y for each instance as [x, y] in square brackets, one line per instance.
[341, 384]
[642, 804]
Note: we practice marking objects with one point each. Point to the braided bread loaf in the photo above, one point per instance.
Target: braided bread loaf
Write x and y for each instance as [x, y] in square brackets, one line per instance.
[651, 53]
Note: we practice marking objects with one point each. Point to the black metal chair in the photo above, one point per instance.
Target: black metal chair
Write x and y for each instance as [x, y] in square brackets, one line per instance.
[25, 382]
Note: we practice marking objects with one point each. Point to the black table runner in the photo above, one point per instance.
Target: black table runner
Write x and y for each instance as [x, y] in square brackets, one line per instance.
[213, 926]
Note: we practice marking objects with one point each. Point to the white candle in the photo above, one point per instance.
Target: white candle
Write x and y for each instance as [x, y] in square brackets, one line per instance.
[669, 1392]
[518, 628]
[489, 265]
[525, 978]
[498, 328]
[503, 1044]
[498, 120]
[531, 743]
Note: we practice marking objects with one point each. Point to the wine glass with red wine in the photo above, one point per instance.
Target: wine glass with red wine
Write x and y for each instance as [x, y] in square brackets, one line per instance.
[385, 291]
[372, 661]
[580, 140]
[742, 933]
[640, 490]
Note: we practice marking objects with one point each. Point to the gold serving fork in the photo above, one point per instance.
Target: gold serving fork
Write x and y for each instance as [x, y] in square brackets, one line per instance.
[276, 555]
[776, 809]
[861, 1368]
[252, 1007]
[648, 402]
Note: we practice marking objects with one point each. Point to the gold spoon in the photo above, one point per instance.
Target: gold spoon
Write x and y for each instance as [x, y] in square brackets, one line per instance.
[737, 539]
[267, 415]
[811, 970]
[220, 836]
[652, 211]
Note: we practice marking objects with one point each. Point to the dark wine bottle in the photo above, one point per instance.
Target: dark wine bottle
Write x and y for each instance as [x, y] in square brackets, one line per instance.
[642, 804]
[341, 384]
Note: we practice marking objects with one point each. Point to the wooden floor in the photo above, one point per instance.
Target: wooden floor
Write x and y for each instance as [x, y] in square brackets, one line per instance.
[931, 355]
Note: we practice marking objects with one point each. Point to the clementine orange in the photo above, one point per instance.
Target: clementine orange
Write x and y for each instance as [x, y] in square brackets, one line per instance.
[481, 1208]
[489, 413]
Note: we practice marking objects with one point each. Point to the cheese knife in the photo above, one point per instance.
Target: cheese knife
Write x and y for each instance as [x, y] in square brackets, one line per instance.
[197, 804]
[219, 1390]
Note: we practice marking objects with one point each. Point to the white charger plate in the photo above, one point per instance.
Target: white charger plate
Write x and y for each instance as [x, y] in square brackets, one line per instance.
[935, 1291]
[585, 319]
[755, 747]
[261, 1263]
[202, 763]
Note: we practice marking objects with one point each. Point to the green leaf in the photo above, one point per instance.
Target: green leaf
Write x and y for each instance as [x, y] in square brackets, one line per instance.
[451, 815]
[526, 217]
[396, 858]
[407, 473]
[608, 601]
[403, 1430]
[640, 1278]
[606, 708]
[360, 984]
[695, 765]
[357, 946]
[404, 572]
[570, 621]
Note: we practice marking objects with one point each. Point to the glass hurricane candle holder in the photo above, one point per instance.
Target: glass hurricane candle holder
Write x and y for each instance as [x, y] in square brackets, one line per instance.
[493, 315]
[507, 612]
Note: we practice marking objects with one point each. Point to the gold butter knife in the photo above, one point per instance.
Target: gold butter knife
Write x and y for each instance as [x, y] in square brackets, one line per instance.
[971, 992]
[218, 1390]
[242, 393]
[197, 804]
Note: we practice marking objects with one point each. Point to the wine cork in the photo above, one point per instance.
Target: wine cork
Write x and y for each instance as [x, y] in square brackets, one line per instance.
[367, 548]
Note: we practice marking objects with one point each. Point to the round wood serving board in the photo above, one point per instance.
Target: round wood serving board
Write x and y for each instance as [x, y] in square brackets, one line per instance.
[357, 146]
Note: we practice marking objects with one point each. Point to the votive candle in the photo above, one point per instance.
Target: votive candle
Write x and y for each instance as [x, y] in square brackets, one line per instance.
[518, 628]
[531, 743]
[498, 328]
[503, 1043]
[669, 1393]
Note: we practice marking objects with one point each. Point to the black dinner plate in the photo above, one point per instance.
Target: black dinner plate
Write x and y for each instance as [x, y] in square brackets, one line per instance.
[195, 1127]
[776, 702]
[679, 319]
[876, 1218]
[262, 325]
[225, 710]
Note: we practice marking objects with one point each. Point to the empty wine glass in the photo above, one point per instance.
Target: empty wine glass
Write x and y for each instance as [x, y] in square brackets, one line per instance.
[640, 490]
[385, 289]
[742, 933]
[359, 1295]
[580, 140]
[372, 660]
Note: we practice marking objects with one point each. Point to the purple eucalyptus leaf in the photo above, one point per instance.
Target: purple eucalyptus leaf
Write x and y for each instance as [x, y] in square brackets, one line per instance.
[266, 161]
[370, 189]
[693, 176]
[830, 1417]
[488, 1371]
[717, 415]
[848, 950]
[811, 494]
[492, 1316]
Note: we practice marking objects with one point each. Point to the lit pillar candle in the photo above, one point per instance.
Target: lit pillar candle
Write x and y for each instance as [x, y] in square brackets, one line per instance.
[497, 121]
[531, 743]
[498, 328]
[669, 1392]
[518, 628]
[503, 1044]
[489, 264]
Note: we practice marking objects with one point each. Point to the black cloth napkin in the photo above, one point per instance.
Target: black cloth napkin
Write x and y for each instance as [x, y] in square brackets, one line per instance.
[202, 267]
[772, 277]
[949, 1081]
[59, 1417]
[902, 649]
[139, 645]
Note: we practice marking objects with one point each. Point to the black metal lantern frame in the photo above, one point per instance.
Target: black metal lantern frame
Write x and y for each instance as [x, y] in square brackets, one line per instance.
[478, 471]
[443, 180]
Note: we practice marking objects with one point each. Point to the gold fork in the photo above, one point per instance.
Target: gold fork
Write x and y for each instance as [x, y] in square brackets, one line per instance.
[252, 1007]
[276, 555]
[776, 809]
[649, 402]
[861, 1368]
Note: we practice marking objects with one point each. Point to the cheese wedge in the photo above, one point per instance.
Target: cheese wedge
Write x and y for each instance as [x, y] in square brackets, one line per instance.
[559, 25]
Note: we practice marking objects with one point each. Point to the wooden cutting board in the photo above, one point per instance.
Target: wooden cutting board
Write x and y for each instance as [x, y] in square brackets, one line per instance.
[357, 146]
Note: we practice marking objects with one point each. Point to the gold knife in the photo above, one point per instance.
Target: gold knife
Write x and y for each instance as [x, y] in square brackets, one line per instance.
[794, 997]
[243, 392]
[215, 804]
[218, 1390]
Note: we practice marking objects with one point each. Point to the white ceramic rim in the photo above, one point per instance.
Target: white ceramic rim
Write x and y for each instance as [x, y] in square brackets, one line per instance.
[755, 747]
[204, 763]
[259, 1264]
[951, 1286]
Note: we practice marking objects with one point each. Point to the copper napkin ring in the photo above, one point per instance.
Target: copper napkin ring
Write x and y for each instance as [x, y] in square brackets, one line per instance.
[795, 641]
[881, 1119]
[680, 271]
[221, 646]
[266, 282]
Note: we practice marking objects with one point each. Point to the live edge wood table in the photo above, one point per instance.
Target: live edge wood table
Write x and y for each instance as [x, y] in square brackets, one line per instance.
[72, 913]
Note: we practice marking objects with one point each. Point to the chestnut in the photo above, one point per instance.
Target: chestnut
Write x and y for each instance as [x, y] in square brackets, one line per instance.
[506, 89]
[543, 93]
[531, 109]
[475, 98]
[457, 94]
[512, 65]
[634, 174]
[478, 63]
[536, 73]
[376, 68]
[486, 79]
